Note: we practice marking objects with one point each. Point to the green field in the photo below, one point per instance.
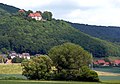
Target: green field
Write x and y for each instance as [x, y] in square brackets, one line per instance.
[15, 70]
[54, 82]
[10, 69]
[109, 69]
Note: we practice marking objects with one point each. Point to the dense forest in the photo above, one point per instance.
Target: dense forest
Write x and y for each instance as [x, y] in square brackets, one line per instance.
[9, 9]
[109, 33]
[26, 35]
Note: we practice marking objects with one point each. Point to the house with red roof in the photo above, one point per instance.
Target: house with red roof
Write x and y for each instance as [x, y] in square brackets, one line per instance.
[21, 10]
[95, 63]
[106, 64]
[36, 16]
[101, 61]
[116, 62]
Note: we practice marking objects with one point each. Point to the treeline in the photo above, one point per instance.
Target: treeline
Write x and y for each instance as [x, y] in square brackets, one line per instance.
[9, 9]
[23, 35]
[109, 33]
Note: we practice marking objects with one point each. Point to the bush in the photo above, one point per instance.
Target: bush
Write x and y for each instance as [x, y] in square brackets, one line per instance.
[17, 60]
[37, 68]
[88, 75]
[72, 63]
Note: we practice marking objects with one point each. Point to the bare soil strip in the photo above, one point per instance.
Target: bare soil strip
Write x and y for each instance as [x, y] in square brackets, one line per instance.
[100, 73]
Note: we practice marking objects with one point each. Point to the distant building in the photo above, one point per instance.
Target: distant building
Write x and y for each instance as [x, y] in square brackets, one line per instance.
[21, 11]
[36, 16]
[26, 55]
[106, 64]
[116, 62]
[13, 54]
[101, 62]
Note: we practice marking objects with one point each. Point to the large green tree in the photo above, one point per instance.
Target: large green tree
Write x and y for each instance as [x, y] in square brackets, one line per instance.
[72, 63]
[37, 67]
[69, 56]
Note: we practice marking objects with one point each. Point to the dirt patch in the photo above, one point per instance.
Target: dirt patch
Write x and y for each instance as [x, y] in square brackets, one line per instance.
[100, 73]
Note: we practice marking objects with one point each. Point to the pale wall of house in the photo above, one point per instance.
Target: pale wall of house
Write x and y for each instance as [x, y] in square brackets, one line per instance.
[37, 18]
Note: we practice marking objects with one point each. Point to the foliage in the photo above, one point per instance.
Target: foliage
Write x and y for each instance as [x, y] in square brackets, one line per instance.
[17, 60]
[37, 68]
[69, 56]
[28, 12]
[9, 9]
[70, 61]
[109, 33]
[47, 15]
[87, 74]
[3, 13]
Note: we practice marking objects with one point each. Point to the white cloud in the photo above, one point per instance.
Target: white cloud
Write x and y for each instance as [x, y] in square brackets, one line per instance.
[95, 12]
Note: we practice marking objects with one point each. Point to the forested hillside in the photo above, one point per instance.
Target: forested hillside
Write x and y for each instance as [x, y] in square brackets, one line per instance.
[22, 34]
[9, 9]
[3, 13]
[108, 33]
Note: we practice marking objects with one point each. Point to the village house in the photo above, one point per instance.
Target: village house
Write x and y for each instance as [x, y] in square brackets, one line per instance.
[21, 11]
[36, 16]
[13, 54]
[26, 55]
[23, 55]
[101, 63]
[116, 63]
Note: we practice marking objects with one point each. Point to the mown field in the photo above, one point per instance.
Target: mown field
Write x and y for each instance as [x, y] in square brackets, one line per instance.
[10, 69]
[15, 70]
[54, 82]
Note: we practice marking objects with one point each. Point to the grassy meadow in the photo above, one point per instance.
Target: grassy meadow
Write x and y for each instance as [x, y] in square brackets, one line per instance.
[109, 76]
[54, 82]
[10, 69]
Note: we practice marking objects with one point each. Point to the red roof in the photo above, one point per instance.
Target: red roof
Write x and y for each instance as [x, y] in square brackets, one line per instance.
[117, 61]
[95, 62]
[101, 61]
[34, 15]
[22, 10]
[107, 63]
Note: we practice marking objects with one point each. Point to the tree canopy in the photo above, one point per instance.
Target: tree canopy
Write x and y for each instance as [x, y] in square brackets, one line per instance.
[72, 63]
[47, 15]
[37, 67]
[69, 56]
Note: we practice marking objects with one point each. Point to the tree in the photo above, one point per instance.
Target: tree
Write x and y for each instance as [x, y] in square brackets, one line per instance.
[69, 56]
[37, 68]
[28, 12]
[69, 59]
[47, 15]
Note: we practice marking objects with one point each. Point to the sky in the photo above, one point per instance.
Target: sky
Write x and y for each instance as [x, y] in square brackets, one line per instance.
[93, 12]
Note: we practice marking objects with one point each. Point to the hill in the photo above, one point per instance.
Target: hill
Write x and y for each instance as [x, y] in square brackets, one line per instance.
[8, 9]
[22, 34]
[109, 33]
[3, 13]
